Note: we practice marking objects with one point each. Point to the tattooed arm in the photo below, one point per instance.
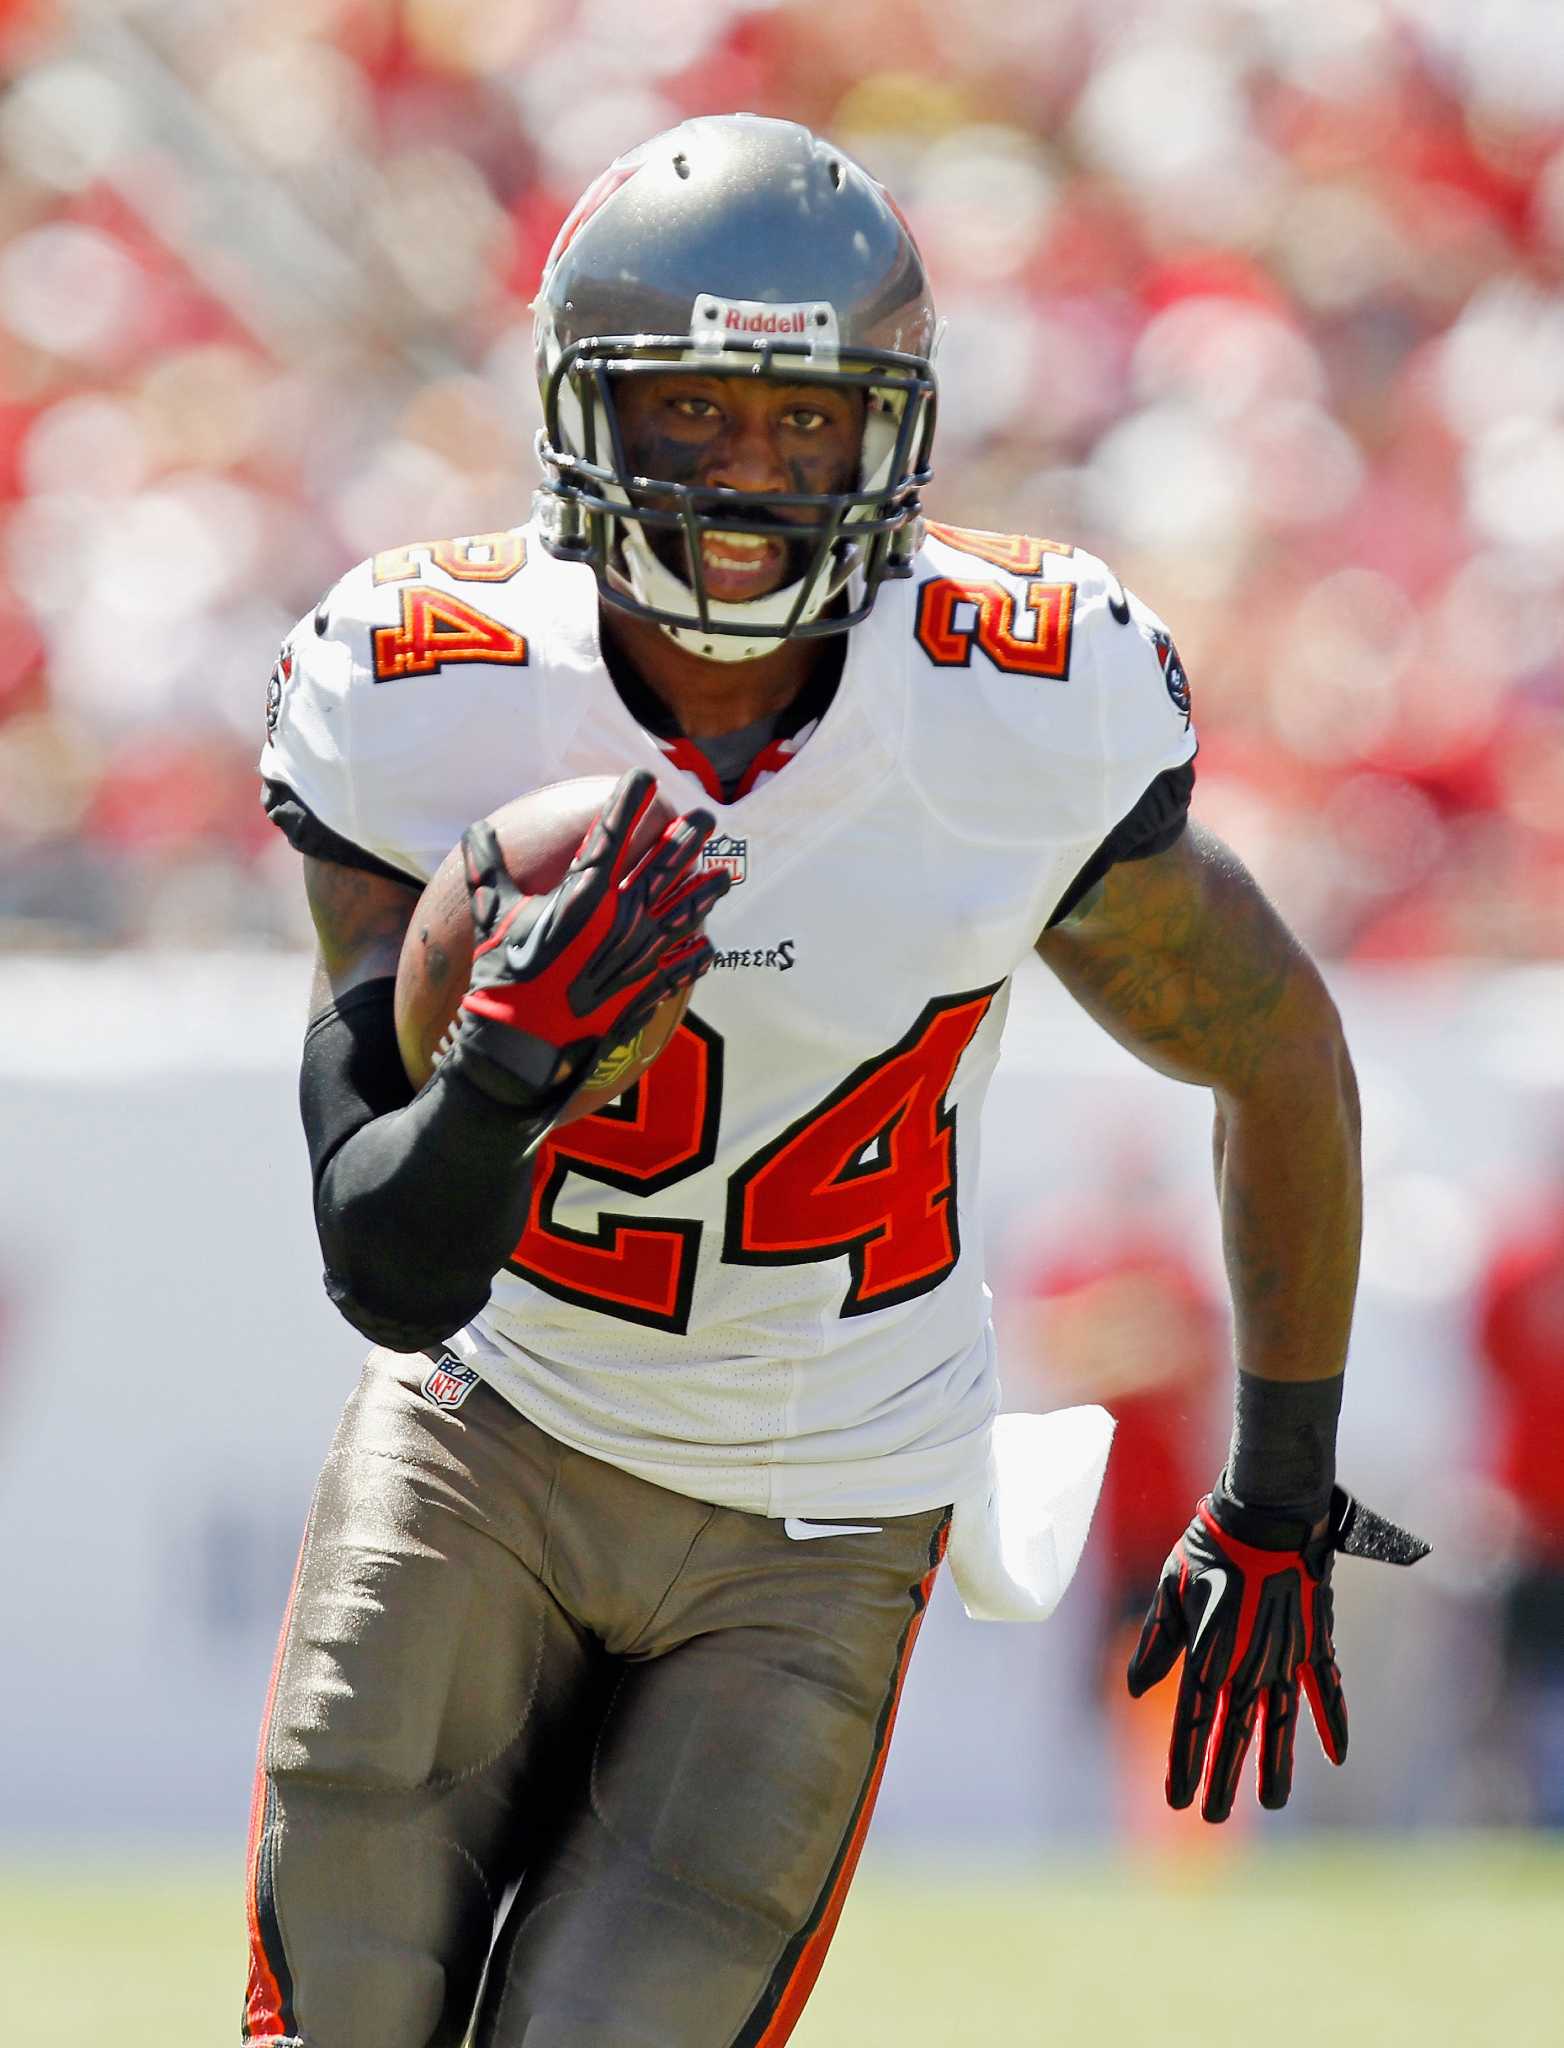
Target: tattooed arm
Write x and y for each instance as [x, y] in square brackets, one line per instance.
[360, 920]
[1185, 963]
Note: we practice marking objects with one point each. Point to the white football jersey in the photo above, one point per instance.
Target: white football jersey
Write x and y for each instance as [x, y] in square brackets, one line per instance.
[757, 1278]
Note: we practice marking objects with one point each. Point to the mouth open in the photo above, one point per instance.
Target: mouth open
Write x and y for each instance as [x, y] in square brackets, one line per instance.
[739, 566]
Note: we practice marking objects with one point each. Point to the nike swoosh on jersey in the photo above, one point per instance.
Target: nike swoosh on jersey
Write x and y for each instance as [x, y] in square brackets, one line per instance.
[803, 1531]
[1216, 1580]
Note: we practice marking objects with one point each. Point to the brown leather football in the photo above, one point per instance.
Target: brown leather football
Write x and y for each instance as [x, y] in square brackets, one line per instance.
[539, 836]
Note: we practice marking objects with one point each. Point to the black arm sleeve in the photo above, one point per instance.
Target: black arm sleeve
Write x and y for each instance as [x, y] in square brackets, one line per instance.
[418, 1198]
[1152, 827]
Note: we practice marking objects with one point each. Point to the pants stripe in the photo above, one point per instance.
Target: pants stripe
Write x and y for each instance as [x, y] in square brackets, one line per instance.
[786, 1996]
[268, 2002]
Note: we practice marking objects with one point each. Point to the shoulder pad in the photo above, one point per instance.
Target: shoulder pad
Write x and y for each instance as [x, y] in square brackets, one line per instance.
[412, 610]
[394, 714]
[1023, 601]
[1051, 699]
[1018, 554]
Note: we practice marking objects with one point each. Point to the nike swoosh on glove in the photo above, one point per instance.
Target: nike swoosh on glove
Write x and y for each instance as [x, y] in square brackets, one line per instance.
[557, 978]
[1245, 1599]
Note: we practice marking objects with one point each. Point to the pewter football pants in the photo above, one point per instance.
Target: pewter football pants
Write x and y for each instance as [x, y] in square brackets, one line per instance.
[507, 1668]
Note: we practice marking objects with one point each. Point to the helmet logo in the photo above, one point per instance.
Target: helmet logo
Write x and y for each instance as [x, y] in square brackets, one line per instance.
[715, 322]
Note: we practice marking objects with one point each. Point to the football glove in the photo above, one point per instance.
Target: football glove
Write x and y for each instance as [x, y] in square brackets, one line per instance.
[1245, 1598]
[557, 979]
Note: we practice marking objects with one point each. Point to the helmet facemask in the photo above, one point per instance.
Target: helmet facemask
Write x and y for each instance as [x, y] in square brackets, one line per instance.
[841, 545]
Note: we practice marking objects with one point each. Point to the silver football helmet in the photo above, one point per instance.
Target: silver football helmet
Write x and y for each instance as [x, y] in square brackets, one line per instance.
[744, 247]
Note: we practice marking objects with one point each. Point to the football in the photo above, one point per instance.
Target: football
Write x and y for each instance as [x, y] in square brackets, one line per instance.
[539, 836]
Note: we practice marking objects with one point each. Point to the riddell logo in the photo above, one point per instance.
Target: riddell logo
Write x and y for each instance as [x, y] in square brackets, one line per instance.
[738, 321]
[715, 322]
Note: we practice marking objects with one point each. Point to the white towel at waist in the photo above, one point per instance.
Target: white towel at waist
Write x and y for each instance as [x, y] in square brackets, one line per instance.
[1016, 1540]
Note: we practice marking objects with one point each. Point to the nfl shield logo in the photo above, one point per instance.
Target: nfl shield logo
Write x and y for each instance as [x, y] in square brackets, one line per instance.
[727, 855]
[450, 1382]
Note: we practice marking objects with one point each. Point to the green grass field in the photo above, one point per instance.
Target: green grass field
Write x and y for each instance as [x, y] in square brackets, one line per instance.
[1444, 1943]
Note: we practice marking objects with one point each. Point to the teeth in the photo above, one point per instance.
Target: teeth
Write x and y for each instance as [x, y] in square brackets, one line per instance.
[748, 545]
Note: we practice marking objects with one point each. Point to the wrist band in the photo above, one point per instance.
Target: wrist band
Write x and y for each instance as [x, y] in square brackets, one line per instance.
[1283, 1453]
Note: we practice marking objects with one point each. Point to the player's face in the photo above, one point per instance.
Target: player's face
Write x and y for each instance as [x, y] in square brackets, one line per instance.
[750, 434]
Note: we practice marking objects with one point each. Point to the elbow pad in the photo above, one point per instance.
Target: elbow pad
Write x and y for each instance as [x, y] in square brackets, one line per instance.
[351, 1071]
[418, 1198]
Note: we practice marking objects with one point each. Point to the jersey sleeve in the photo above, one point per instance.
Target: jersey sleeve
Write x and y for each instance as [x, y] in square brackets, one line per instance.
[1145, 718]
[306, 834]
[308, 763]
[1151, 827]
[1148, 739]
[410, 702]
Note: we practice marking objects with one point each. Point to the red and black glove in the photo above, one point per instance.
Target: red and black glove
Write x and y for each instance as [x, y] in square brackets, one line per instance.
[558, 978]
[1245, 1598]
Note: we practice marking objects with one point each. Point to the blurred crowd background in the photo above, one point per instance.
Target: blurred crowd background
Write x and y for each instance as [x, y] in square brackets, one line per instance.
[1262, 302]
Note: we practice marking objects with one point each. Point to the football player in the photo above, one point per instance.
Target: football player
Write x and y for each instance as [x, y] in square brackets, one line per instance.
[610, 1584]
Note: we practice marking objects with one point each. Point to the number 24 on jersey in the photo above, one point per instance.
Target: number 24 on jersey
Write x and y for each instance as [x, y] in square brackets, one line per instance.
[868, 1174]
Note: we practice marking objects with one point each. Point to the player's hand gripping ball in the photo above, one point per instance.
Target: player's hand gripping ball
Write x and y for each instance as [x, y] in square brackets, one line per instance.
[593, 885]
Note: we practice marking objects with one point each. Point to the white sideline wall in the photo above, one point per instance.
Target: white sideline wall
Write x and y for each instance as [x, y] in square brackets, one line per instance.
[170, 1373]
